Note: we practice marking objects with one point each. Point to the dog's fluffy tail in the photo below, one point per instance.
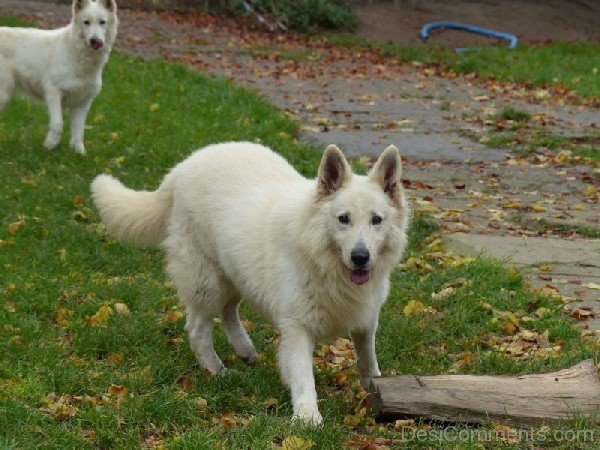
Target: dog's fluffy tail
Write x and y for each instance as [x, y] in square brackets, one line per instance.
[135, 216]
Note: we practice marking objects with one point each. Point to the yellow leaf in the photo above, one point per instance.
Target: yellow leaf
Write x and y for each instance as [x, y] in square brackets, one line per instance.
[62, 254]
[121, 308]
[352, 421]
[296, 443]
[413, 308]
[101, 316]
[15, 226]
[201, 403]
[173, 316]
[538, 208]
[59, 407]
[592, 285]
[154, 107]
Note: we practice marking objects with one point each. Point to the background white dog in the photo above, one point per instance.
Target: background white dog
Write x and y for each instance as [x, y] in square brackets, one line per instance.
[62, 66]
[313, 256]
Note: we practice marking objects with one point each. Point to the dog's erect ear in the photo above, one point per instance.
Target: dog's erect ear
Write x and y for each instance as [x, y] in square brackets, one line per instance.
[387, 172]
[110, 4]
[77, 5]
[334, 171]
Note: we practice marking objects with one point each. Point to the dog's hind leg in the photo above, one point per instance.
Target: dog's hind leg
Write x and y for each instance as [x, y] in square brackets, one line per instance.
[199, 327]
[203, 291]
[236, 334]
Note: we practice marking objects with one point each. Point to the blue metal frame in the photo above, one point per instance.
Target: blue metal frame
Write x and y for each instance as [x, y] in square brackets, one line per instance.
[451, 25]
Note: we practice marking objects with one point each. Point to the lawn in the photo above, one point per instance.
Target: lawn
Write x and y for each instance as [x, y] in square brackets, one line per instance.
[92, 348]
[570, 65]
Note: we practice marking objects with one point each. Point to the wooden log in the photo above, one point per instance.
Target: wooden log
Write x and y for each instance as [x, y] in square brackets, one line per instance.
[528, 400]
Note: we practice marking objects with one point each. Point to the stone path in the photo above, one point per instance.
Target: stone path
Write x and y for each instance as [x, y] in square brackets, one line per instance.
[539, 211]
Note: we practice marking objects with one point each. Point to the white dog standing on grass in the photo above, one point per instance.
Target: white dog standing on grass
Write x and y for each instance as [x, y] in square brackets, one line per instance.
[62, 67]
[314, 256]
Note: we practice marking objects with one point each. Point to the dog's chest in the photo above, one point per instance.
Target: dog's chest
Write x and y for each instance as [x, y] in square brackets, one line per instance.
[336, 310]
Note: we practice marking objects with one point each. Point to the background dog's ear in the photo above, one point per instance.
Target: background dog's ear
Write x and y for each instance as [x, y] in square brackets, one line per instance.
[334, 171]
[77, 5]
[110, 4]
[387, 172]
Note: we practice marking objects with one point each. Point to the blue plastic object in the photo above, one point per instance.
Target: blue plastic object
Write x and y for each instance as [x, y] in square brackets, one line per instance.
[450, 25]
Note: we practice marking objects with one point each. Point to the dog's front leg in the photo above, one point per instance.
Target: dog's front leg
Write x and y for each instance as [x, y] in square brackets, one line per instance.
[366, 359]
[78, 116]
[295, 361]
[54, 105]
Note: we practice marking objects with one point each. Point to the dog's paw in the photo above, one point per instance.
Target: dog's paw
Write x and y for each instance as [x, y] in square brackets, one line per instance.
[365, 381]
[51, 142]
[308, 416]
[250, 359]
[78, 147]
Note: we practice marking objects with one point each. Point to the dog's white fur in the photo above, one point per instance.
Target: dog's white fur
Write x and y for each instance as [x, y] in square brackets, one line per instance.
[237, 221]
[60, 66]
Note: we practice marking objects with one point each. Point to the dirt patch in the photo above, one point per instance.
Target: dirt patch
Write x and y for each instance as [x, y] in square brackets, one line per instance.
[533, 21]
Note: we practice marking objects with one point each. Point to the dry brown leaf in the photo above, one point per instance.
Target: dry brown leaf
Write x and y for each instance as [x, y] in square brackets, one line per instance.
[15, 226]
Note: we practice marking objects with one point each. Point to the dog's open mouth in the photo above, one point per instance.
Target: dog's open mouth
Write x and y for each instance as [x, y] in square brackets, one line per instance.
[359, 276]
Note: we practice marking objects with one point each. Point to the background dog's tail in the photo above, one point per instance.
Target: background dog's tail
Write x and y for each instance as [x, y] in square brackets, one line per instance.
[135, 216]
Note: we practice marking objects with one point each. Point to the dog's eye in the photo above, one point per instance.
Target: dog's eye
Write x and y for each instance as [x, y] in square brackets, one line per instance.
[86, 22]
[344, 218]
[376, 220]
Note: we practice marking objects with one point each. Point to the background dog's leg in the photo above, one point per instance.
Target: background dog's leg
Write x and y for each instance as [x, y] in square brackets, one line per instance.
[236, 334]
[366, 359]
[53, 103]
[7, 83]
[199, 327]
[78, 116]
[295, 360]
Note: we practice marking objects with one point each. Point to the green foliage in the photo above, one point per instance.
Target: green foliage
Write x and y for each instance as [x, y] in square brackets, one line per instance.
[573, 65]
[309, 15]
[517, 115]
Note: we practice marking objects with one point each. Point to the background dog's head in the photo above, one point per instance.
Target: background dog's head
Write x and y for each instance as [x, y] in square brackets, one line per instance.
[368, 215]
[96, 22]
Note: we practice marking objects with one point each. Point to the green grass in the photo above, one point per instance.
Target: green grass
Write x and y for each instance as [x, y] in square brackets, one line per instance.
[517, 115]
[573, 66]
[60, 267]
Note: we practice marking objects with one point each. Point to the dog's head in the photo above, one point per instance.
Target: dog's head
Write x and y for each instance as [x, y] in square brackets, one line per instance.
[367, 215]
[96, 22]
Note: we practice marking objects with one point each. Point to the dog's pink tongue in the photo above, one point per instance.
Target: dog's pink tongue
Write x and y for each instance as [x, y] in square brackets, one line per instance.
[359, 276]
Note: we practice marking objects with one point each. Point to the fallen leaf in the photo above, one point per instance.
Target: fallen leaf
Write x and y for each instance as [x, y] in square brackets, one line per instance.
[15, 226]
[59, 407]
[413, 307]
[296, 443]
[121, 308]
[101, 316]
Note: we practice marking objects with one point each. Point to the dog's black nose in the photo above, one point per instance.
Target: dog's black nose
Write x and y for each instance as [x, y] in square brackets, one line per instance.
[360, 257]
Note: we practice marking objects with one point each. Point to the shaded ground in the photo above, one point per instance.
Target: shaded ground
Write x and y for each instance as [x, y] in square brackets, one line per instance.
[532, 21]
[440, 121]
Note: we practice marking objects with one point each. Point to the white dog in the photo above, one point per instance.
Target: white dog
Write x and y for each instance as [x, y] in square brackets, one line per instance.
[314, 256]
[62, 66]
